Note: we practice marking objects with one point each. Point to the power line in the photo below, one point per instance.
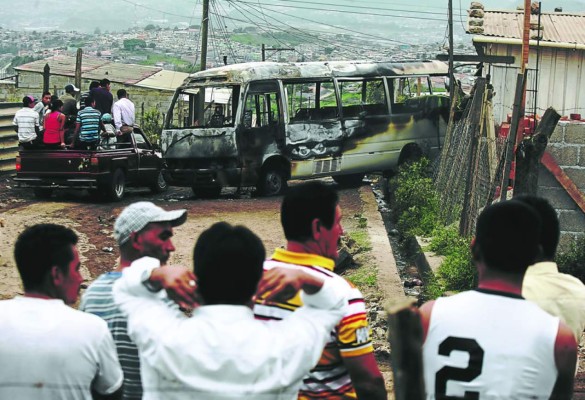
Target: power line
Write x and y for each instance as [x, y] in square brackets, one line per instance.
[347, 12]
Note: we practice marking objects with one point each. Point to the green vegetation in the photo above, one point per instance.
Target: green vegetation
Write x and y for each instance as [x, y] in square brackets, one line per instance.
[415, 201]
[573, 261]
[133, 44]
[152, 125]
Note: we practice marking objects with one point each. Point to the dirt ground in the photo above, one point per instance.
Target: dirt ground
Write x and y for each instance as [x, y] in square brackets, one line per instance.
[94, 222]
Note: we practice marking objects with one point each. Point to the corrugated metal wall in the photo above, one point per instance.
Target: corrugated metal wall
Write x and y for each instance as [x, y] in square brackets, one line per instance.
[561, 80]
[8, 137]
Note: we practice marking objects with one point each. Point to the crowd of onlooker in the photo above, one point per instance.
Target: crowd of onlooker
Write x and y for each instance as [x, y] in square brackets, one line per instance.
[66, 121]
[240, 324]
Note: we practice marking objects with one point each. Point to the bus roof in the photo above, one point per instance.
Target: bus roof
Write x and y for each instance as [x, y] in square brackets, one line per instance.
[246, 72]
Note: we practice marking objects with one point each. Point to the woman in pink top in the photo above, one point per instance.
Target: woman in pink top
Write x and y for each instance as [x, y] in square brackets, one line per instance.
[54, 122]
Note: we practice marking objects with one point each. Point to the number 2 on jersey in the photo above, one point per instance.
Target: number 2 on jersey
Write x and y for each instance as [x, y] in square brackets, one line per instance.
[472, 371]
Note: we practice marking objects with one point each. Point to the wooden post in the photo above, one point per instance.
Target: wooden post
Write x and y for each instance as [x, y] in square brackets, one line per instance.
[511, 142]
[405, 335]
[46, 77]
[78, 70]
[530, 152]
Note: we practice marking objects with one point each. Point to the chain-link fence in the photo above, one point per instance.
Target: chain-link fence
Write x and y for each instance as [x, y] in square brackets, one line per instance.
[471, 162]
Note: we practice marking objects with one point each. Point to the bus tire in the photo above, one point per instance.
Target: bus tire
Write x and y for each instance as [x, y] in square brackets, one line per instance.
[272, 182]
[117, 187]
[350, 180]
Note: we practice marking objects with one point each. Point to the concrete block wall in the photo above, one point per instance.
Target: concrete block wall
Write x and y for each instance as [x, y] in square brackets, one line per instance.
[567, 146]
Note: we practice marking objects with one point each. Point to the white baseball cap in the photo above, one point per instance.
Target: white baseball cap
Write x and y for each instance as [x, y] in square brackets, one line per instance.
[137, 215]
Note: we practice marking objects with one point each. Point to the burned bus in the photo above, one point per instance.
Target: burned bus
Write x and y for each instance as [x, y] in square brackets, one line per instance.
[262, 124]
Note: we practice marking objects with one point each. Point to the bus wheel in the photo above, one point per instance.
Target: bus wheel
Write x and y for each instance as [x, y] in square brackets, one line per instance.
[272, 182]
[206, 192]
[350, 180]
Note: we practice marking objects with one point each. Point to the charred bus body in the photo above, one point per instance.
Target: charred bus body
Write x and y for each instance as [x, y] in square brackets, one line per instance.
[261, 124]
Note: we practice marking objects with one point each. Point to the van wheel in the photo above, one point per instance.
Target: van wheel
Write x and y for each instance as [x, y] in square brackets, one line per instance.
[206, 192]
[160, 185]
[43, 193]
[117, 187]
[272, 182]
[351, 180]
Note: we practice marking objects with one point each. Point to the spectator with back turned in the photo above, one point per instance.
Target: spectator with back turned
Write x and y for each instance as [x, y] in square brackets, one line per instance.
[88, 127]
[26, 123]
[103, 97]
[490, 342]
[124, 116]
[561, 295]
[311, 219]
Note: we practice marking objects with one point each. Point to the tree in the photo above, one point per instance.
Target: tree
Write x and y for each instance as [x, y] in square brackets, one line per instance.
[150, 27]
[151, 45]
[97, 31]
[132, 44]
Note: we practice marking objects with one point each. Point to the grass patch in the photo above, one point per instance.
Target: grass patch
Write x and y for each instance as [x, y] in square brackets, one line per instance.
[363, 277]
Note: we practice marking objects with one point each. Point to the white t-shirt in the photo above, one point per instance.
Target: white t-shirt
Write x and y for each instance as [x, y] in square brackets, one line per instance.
[26, 119]
[492, 345]
[51, 351]
[222, 352]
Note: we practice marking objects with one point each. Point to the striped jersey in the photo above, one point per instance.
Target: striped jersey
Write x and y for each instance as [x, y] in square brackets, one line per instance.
[350, 338]
[89, 118]
[98, 300]
[26, 119]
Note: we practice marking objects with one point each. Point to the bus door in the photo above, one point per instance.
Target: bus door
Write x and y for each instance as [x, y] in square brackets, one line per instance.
[260, 133]
[365, 116]
[313, 131]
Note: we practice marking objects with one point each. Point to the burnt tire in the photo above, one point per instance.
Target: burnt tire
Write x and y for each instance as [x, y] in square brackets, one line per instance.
[272, 182]
[160, 185]
[350, 180]
[43, 193]
[117, 188]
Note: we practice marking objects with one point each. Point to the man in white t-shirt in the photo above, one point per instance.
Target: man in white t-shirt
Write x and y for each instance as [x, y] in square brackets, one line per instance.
[49, 350]
[26, 123]
[490, 342]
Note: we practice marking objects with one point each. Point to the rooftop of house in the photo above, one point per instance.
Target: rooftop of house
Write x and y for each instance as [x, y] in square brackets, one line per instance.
[93, 68]
[557, 27]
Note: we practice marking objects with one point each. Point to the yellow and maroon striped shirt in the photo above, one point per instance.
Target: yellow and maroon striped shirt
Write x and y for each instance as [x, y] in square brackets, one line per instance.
[351, 337]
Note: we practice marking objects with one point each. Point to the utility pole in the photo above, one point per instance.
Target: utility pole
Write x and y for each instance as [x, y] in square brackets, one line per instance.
[451, 75]
[78, 62]
[204, 31]
[264, 48]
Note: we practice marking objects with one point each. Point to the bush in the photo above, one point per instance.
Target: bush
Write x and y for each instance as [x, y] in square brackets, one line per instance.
[415, 201]
[152, 125]
[457, 272]
[573, 261]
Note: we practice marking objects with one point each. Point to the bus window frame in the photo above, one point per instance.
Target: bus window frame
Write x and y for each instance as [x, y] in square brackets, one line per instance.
[285, 98]
[387, 98]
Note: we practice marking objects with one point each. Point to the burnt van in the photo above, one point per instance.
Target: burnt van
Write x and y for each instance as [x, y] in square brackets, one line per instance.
[261, 124]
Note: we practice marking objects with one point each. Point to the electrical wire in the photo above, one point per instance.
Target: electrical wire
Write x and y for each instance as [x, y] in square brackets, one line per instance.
[223, 29]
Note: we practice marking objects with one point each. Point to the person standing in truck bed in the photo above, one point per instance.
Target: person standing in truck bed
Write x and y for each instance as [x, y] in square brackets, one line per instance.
[88, 127]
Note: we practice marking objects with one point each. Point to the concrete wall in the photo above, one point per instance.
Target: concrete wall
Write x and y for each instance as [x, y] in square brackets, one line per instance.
[143, 98]
[567, 146]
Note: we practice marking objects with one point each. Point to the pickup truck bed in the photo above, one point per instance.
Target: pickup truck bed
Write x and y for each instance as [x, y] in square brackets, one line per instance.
[106, 171]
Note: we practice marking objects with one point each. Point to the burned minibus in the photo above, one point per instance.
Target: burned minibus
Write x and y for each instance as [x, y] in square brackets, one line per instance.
[262, 124]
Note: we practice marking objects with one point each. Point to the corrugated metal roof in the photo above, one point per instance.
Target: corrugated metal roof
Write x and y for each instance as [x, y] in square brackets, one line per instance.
[557, 27]
[96, 68]
[169, 80]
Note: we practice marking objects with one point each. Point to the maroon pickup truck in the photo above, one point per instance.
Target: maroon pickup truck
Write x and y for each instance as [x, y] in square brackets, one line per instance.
[105, 171]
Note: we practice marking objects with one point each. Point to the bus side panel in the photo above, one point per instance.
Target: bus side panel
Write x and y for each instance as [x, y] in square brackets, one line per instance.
[199, 143]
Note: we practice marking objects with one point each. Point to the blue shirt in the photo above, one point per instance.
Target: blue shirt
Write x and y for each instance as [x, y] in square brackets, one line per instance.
[89, 118]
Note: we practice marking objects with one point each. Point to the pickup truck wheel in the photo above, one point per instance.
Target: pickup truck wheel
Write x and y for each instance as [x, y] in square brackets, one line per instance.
[272, 182]
[117, 186]
[43, 193]
[160, 185]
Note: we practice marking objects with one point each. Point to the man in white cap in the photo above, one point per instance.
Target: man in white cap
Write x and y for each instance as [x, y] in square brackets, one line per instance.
[142, 229]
